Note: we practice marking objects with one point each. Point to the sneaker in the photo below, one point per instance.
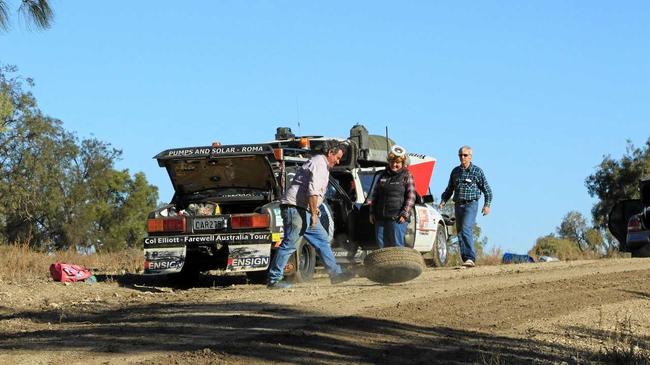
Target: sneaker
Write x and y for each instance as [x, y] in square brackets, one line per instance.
[278, 285]
[339, 278]
[469, 263]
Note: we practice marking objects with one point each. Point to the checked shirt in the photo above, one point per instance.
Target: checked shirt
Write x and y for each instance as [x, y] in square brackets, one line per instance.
[467, 184]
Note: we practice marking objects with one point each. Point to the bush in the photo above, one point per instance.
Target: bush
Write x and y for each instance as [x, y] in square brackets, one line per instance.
[492, 257]
[561, 248]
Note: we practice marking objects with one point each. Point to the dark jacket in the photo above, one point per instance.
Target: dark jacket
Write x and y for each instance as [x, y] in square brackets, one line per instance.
[391, 195]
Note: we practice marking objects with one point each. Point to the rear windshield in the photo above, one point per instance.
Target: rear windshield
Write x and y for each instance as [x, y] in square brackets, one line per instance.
[367, 181]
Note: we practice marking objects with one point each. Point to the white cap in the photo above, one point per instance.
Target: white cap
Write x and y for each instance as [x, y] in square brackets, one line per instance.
[397, 151]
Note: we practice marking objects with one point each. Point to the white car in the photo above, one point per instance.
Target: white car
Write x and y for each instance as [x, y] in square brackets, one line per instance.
[225, 212]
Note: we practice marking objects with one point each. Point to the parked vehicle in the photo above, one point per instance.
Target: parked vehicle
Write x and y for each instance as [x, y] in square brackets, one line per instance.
[225, 212]
[629, 222]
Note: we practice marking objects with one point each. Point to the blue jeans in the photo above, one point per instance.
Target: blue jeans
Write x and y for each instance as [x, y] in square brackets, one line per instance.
[390, 233]
[465, 221]
[297, 223]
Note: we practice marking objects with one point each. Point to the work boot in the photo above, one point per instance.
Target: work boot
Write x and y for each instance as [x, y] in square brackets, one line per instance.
[339, 278]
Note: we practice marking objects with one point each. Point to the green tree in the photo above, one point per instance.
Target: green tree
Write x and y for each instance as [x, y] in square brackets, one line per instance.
[552, 245]
[574, 228]
[617, 179]
[37, 12]
[59, 192]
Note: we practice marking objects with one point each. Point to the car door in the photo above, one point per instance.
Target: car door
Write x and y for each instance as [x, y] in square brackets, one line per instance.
[364, 232]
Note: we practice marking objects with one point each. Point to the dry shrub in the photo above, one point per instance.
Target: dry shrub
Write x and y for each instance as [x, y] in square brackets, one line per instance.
[557, 247]
[129, 260]
[492, 257]
[624, 347]
[20, 264]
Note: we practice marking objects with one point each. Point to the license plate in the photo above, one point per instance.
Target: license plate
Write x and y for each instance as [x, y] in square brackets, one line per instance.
[209, 224]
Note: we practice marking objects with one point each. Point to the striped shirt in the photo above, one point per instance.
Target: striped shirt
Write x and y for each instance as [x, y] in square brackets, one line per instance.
[467, 184]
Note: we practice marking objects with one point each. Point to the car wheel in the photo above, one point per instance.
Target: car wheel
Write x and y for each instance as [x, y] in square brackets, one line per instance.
[440, 250]
[393, 265]
[304, 260]
[643, 251]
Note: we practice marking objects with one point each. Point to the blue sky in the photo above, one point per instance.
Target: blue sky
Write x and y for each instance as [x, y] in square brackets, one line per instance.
[540, 89]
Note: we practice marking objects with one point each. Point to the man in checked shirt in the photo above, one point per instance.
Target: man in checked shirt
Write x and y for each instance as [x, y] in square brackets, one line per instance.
[466, 183]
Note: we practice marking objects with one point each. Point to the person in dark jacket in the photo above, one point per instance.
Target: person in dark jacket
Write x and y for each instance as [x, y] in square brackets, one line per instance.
[392, 199]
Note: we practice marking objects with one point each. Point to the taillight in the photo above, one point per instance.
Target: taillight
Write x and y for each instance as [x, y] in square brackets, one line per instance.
[634, 224]
[250, 221]
[304, 143]
[278, 153]
[176, 224]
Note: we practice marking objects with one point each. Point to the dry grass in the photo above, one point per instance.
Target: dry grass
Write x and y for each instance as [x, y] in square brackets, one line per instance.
[492, 257]
[20, 264]
[624, 347]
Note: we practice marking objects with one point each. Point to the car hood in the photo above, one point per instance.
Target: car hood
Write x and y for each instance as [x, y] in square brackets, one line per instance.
[191, 176]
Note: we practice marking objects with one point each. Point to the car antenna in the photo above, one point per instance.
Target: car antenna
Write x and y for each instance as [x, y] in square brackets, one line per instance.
[298, 116]
[387, 146]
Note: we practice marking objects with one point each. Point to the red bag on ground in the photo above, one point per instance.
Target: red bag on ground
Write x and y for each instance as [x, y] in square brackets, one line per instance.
[67, 272]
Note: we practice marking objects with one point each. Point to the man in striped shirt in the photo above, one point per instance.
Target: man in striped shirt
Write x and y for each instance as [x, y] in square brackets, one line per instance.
[466, 183]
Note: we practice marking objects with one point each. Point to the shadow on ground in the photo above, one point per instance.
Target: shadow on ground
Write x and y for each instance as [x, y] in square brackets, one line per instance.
[257, 332]
[143, 282]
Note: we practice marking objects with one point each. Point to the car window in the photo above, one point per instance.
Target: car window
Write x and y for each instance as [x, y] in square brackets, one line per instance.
[367, 181]
[331, 192]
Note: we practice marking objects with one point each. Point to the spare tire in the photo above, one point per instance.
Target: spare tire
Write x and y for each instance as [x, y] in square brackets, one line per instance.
[393, 265]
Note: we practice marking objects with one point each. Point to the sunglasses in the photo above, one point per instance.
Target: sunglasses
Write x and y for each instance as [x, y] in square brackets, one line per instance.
[463, 154]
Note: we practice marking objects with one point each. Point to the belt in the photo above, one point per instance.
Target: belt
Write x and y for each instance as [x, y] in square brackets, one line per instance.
[461, 202]
[291, 206]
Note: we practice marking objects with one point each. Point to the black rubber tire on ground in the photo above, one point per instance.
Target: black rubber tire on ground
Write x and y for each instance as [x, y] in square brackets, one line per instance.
[304, 260]
[643, 251]
[440, 250]
[393, 265]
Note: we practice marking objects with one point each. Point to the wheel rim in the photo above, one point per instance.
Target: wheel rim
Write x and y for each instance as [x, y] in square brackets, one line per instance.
[441, 243]
[305, 259]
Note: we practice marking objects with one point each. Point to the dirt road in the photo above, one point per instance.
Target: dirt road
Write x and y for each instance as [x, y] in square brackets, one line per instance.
[547, 313]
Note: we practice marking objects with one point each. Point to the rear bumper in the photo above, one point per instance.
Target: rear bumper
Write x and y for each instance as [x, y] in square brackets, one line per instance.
[208, 239]
[240, 251]
[636, 240]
